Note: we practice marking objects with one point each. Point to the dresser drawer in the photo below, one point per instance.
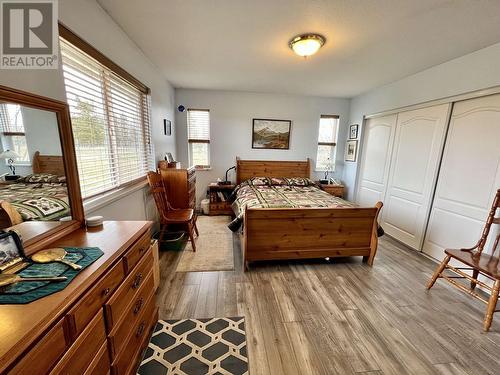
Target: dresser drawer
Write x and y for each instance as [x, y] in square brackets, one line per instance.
[83, 312]
[144, 297]
[100, 365]
[117, 304]
[136, 341]
[81, 354]
[137, 250]
[44, 354]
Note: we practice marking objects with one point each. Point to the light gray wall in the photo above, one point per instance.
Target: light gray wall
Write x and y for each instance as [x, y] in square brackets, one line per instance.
[231, 115]
[475, 71]
[87, 19]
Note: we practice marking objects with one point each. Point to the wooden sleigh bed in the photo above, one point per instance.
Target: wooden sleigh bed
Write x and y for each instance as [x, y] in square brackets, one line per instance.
[300, 233]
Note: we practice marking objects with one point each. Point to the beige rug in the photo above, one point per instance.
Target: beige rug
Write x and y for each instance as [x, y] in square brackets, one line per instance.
[214, 247]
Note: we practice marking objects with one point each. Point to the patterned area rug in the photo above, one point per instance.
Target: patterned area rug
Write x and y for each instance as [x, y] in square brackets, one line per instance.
[214, 247]
[197, 347]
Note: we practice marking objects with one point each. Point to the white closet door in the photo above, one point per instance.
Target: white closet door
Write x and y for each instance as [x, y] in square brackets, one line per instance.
[378, 136]
[469, 176]
[417, 150]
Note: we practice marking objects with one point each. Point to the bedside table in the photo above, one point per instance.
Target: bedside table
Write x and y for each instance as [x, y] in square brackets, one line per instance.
[336, 190]
[218, 195]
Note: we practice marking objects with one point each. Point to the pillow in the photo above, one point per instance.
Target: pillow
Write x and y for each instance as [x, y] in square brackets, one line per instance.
[277, 181]
[299, 181]
[37, 178]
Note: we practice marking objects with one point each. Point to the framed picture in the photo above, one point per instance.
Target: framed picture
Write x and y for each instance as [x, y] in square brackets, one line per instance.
[353, 131]
[167, 127]
[11, 249]
[351, 149]
[271, 134]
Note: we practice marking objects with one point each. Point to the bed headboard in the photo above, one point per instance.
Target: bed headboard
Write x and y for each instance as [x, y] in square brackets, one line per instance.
[48, 164]
[246, 169]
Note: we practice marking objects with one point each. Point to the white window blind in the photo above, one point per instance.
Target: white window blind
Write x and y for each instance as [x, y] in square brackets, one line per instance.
[111, 123]
[198, 122]
[13, 136]
[327, 140]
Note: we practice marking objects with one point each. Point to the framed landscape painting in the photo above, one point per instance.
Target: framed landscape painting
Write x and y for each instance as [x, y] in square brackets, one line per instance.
[271, 134]
[351, 150]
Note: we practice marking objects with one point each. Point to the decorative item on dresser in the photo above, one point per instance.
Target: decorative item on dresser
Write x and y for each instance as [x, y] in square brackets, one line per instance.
[219, 194]
[185, 217]
[333, 189]
[98, 323]
[180, 185]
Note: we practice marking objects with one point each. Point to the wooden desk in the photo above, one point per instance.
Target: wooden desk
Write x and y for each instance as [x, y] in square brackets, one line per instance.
[23, 327]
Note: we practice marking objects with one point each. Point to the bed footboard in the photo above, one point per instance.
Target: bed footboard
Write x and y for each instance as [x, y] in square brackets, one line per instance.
[284, 233]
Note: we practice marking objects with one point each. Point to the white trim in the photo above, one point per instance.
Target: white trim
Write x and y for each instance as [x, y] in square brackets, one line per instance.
[105, 199]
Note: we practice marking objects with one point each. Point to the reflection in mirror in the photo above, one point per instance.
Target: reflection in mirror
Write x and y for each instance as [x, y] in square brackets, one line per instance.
[32, 177]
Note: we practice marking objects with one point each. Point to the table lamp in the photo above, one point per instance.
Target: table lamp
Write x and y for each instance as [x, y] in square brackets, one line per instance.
[10, 156]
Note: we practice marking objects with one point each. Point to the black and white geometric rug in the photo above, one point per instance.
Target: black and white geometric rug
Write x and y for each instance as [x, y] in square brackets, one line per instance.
[197, 347]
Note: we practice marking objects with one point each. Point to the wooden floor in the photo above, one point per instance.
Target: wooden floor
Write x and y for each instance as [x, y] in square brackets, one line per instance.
[341, 317]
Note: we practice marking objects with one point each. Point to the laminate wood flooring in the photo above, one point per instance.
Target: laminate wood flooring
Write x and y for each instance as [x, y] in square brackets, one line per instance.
[340, 317]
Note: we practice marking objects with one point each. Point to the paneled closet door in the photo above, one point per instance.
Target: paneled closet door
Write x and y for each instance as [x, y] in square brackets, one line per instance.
[417, 150]
[378, 136]
[469, 176]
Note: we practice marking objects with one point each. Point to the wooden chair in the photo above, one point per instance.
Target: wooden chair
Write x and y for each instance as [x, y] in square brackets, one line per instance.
[168, 214]
[477, 262]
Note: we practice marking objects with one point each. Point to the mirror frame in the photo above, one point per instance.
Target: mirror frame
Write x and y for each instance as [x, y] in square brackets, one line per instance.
[39, 235]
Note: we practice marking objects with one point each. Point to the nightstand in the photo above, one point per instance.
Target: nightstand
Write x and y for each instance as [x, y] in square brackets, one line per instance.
[218, 195]
[336, 190]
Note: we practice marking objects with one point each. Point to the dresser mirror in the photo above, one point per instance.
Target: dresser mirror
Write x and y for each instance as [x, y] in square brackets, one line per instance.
[39, 188]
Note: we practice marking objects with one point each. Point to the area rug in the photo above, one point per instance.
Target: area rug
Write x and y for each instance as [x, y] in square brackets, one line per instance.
[214, 247]
[197, 347]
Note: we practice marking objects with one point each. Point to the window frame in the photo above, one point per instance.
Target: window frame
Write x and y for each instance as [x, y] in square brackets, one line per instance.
[7, 143]
[194, 141]
[73, 39]
[330, 144]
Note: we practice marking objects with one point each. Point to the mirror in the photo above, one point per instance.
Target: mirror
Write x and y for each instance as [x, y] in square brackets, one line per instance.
[39, 189]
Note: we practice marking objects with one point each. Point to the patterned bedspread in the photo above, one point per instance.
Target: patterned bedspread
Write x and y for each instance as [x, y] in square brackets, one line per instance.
[37, 201]
[281, 195]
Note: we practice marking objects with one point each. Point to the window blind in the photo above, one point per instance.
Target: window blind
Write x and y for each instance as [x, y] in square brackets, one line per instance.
[327, 138]
[111, 123]
[11, 119]
[198, 121]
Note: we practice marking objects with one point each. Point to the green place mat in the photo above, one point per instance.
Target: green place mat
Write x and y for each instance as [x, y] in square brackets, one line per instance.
[26, 292]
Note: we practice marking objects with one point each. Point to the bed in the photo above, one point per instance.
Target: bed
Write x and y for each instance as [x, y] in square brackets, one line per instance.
[41, 196]
[336, 228]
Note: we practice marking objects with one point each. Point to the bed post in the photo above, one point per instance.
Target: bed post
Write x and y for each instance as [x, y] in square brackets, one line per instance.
[35, 163]
[308, 167]
[374, 240]
[238, 170]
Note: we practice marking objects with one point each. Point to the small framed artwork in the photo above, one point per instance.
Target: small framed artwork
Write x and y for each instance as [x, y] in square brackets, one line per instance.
[271, 134]
[11, 250]
[353, 131]
[351, 149]
[167, 127]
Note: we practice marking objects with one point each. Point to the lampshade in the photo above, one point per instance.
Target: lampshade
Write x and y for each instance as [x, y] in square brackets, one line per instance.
[8, 154]
[307, 44]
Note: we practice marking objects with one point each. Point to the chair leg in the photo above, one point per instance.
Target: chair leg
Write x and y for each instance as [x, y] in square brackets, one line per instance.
[492, 304]
[191, 236]
[438, 271]
[196, 228]
[475, 274]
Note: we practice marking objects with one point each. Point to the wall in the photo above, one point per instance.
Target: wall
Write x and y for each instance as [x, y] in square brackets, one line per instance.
[231, 115]
[475, 71]
[87, 19]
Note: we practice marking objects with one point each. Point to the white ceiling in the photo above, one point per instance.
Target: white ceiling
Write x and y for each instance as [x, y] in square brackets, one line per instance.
[242, 44]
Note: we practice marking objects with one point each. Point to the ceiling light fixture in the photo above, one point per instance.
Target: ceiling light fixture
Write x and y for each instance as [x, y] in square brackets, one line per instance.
[306, 44]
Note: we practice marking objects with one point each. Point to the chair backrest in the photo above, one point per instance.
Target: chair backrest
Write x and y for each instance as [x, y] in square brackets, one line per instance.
[492, 219]
[159, 193]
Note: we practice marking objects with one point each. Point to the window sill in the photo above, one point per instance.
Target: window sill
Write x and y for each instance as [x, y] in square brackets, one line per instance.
[94, 203]
[203, 169]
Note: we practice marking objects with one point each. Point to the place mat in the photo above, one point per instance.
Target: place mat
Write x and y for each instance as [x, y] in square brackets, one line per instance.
[26, 292]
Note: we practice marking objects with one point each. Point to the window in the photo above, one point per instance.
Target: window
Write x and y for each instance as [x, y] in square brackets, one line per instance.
[198, 122]
[110, 118]
[327, 140]
[13, 137]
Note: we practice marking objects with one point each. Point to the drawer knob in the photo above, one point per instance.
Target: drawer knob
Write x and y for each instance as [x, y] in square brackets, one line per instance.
[106, 291]
[138, 305]
[140, 329]
[137, 281]
[141, 249]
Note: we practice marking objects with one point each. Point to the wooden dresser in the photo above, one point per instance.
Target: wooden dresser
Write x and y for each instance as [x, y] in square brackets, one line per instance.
[100, 323]
[181, 186]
